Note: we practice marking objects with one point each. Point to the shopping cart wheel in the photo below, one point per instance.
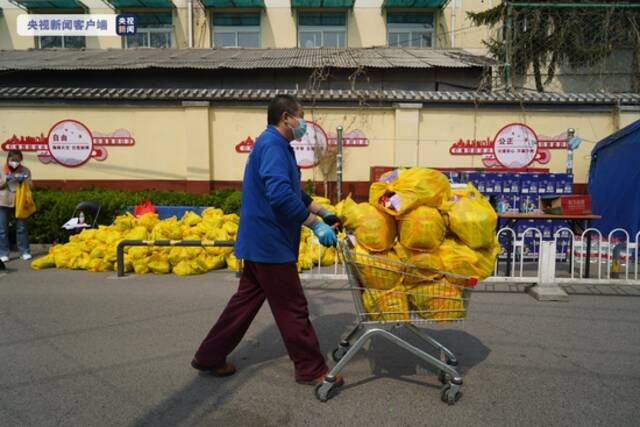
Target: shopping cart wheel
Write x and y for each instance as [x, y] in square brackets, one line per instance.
[325, 391]
[450, 393]
[443, 377]
[339, 352]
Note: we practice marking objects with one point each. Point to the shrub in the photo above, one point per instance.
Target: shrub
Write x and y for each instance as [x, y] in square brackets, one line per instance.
[56, 206]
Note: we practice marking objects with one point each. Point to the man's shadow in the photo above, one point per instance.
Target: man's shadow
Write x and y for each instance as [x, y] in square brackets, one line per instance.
[205, 394]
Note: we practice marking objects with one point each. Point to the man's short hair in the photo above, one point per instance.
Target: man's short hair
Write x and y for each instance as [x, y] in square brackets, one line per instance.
[279, 105]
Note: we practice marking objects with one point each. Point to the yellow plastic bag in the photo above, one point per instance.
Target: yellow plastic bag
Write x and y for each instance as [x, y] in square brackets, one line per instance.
[460, 259]
[380, 270]
[328, 257]
[233, 263]
[158, 264]
[124, 222]
[80, 261]
[305, 257]
[401, 190]
[425, 262]
[47, 261]
[212, 213]
[178, 254]
[374, 229]
[472, 218]
[138, 252]
[208, 263]
[107, 234]
[85, 235]
[232, 218]
[141, 266]
[111, 252]
[231, 228]
[137, 233]
[99, 266]
[149, 220]
[63, 259]
[183, 268]
[440, 301]
[191, 218]
[168, 229]
[25, 206]
[391, 305]
[349, 214]
[211, 223]
[421, 229]
[321, 200]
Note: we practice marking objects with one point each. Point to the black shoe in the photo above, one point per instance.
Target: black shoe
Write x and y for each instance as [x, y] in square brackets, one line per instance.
[223, 371]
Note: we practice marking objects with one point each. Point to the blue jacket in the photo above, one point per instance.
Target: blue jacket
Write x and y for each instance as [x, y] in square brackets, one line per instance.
[272, 206]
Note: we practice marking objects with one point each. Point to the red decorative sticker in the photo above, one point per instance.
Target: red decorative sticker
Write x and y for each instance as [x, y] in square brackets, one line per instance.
[515, 146]
[69, 143]
[305, 147]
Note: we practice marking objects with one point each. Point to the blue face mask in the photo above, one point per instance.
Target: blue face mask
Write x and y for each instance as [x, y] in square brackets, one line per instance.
[300, 130]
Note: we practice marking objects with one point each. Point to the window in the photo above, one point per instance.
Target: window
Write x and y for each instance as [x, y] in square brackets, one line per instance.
[154, 30]
[410, 29]
[68, 42]
[236, 30]
[322, 30]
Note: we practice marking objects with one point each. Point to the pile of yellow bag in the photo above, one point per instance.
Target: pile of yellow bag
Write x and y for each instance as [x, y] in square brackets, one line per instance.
[95, 249]
[414, 218]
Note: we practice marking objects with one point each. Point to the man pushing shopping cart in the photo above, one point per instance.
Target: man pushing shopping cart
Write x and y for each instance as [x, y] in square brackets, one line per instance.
[421, 274]
[273, 210]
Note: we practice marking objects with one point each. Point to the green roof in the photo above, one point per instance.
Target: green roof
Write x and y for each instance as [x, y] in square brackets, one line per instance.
[415, 3]
[51, 4]
[322, 4]
[122, 4]
[231, 4]
[154, 19]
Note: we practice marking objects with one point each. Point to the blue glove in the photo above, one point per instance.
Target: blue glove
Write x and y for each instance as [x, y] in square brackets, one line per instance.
[10, 177]
[20, 178]
[324, 233]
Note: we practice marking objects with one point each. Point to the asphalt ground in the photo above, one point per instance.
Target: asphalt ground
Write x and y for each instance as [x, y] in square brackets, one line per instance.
[88, 349]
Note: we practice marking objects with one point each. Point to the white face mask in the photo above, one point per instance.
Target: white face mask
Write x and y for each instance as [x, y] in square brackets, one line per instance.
[14, 164]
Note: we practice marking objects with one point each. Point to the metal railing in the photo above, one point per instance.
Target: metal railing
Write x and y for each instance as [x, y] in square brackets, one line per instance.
[613, 258]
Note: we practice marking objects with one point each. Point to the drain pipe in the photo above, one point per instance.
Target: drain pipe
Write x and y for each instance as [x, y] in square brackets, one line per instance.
[190, 21]
[454, 5]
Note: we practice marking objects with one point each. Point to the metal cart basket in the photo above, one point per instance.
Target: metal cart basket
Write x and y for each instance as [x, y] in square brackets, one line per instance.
[389, 294]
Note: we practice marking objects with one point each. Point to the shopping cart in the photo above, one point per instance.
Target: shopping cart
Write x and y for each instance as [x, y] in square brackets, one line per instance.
[389, 294]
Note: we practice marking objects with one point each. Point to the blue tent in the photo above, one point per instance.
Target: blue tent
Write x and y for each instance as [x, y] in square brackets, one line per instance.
[614, 180]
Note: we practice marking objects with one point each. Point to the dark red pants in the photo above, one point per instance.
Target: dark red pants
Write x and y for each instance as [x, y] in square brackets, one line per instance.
[280, 285]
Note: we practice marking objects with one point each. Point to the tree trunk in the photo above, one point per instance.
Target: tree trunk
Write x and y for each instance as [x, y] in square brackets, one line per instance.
[537, 73]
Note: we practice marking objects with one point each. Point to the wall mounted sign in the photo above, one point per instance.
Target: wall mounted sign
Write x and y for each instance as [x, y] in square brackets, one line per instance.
[69, 143]
[304, 147]
[515, 146]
